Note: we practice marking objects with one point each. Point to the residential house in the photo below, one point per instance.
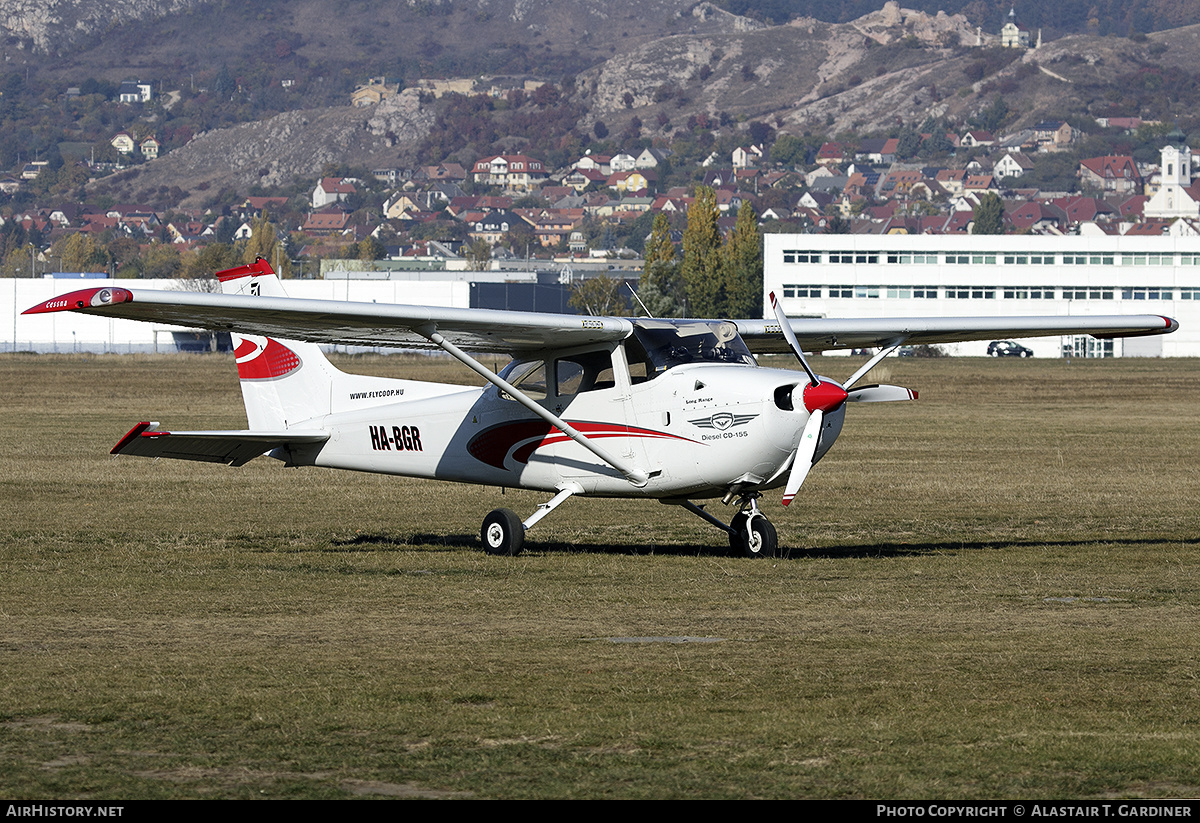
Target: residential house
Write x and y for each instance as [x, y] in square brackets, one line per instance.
[1035, 218]
[623, 162]
[494, 225]
[1112, 174]
[328, 221]
[745, 157]
[442, 172]
[978, 137]
[720, 178]
[132, 91]
[650, 158]
[831, 154]
[332, 190]
[390, 175]
[1012, 164]
[511, 171]
[1055, 135]
[879, 150]
[899, 183]
[1084, 209]
[1129, 124]
[595, 162]
[149, 148]
[952, 180]
[581, 179]
[552, 226]
[123, 142]
[816, 200]
[631, 181]
[255, 206]
[979, 183]
[376, 90]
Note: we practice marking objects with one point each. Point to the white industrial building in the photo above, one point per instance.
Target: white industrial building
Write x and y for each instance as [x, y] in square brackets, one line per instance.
[855, 276]
[70, 331]
[815, 275]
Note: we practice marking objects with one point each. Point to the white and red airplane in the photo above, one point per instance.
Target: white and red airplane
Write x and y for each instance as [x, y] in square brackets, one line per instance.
[672, 410]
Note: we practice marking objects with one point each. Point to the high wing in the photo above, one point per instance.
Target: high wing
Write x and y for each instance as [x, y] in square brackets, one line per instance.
[819, 334]
[490, 330]
[346, 323]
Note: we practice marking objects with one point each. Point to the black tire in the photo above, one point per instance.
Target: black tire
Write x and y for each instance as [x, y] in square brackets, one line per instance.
[755, 537]
[502, 533]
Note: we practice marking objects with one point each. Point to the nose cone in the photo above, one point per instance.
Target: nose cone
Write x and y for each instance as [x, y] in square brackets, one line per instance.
[825, 396]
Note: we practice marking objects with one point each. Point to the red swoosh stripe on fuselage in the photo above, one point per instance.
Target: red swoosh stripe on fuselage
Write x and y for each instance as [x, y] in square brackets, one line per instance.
[493, 444]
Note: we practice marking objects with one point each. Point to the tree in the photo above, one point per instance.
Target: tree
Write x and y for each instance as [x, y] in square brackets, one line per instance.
[370, 249]
[702, 256]
[598, 296]
[478, 254]
[79, 252]
[661, 287]
[837, 224]
[788, 150]
[264, 243]
[988, 215]
[743, 267]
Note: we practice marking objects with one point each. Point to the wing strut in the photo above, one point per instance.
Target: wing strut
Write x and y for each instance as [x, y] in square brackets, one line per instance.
[633, 474]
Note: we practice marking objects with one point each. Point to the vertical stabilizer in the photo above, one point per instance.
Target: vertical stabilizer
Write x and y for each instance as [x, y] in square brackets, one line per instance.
[283, 382]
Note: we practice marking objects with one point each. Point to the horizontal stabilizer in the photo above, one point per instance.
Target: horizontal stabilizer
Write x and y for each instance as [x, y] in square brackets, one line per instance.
[235, 448]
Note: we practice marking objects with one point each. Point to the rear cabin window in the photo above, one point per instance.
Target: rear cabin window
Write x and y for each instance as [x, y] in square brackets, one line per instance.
[574, 374]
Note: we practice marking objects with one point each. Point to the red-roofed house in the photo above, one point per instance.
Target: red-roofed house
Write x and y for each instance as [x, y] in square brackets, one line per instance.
[332, 190]
[1114, 173]
[512, 171]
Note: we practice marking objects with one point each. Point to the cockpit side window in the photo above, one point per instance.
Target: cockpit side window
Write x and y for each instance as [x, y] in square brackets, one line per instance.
[528, 375]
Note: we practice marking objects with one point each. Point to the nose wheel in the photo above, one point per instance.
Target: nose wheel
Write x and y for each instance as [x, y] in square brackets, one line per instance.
[750, 532]
[752, 535]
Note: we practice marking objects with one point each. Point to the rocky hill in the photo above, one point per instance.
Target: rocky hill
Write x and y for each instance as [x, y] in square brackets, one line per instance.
[661, 62]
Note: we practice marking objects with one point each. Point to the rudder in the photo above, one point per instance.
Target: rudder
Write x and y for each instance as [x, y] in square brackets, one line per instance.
[283, 382]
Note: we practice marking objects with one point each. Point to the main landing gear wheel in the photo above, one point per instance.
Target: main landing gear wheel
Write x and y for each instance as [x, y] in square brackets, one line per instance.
[502, 533]
[753, 536]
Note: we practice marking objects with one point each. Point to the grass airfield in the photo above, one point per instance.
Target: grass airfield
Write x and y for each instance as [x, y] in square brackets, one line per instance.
[991, 593]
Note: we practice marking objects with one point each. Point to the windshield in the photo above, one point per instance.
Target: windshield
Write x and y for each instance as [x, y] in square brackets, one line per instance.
[664, 345]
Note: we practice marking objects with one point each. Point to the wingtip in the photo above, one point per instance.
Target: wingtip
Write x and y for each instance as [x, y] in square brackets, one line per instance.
[83, 299]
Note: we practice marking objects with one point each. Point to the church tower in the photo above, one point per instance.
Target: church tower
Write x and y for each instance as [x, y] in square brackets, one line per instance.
[1174, 197]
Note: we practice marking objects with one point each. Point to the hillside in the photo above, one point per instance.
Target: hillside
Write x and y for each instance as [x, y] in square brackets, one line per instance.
[886, 69]
[256, 94]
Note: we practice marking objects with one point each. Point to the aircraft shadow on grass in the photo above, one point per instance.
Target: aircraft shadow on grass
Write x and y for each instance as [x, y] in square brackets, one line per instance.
[384, 542]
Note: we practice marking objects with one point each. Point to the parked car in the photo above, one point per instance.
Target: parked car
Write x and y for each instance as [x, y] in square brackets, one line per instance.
[1007, 348]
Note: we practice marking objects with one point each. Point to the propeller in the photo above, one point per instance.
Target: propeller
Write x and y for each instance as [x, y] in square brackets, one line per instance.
[821, 396]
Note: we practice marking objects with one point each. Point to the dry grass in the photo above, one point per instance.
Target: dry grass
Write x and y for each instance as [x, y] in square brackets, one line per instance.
[992, 593]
